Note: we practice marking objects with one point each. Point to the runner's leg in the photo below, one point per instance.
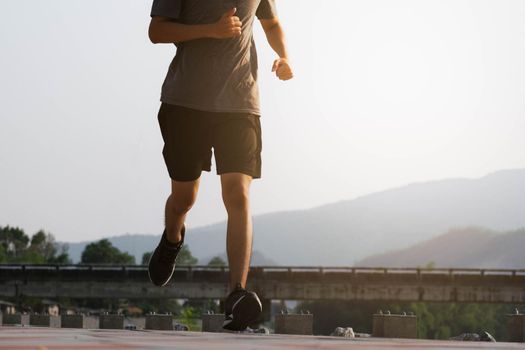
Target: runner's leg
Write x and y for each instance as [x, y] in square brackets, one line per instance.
[182, 197]
[235, 195]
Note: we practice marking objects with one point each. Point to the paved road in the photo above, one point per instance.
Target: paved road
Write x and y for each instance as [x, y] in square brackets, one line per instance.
[25, 338]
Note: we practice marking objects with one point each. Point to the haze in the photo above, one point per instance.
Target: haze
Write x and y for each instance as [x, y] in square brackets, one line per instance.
[386, 93]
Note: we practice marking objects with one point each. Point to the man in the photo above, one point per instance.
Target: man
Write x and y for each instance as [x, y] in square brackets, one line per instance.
[210, 99]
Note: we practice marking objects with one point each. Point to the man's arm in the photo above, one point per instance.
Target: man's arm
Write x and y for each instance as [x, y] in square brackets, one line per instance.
[165, 30]
[275, 36]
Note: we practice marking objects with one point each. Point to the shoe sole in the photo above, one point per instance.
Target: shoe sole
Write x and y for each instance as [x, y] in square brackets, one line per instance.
[163, 284]
[245, 313]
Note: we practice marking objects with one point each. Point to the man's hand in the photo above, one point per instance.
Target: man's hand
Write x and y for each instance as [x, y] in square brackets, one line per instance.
[282, 69]
[228, 26]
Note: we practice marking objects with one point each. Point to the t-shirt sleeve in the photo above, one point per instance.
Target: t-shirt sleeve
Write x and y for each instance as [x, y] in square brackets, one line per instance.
[167, 8]
[266, 10]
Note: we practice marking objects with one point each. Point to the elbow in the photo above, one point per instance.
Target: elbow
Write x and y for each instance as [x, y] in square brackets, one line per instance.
[271, 25]
[153, 33]
[274, 27]
[157, 33]
[153, 37]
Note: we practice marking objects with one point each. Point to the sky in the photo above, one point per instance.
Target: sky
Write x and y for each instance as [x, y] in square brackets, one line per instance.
[385, 93]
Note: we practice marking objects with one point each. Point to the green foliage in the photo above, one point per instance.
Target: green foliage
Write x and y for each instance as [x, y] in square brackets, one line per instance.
[60, 259]
[41, 248]
[189, 316]
[441, 321]
[13, 239]
[43, 245]
[217, 261]
[145, 257]
[38, 238]
[430, 265]
[435, 320]
[202, 306]
[3, 254]
[103, 252]
[186, 258]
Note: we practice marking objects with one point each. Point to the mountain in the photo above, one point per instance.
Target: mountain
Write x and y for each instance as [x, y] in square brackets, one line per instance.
[258, 259]
[345, 232]
[460, 248]
[137, 245]
[348, 231]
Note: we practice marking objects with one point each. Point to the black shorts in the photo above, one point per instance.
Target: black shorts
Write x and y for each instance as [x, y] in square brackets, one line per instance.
[189, 136]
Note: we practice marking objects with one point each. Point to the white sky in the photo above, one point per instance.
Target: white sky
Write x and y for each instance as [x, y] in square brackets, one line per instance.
[386, 93]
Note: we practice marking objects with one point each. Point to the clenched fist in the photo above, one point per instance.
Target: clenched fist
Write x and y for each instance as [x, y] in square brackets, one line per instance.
[282, 69]
[228, 26]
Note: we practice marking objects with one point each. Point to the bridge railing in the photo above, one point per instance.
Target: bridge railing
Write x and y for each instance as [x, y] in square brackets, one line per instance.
[274, 282]
[268, 269]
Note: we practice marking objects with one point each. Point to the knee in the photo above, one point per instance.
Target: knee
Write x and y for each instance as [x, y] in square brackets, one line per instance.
[180, 205]
[236, 197]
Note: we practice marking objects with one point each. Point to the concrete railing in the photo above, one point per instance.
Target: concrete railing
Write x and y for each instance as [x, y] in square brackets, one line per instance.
[271, 282]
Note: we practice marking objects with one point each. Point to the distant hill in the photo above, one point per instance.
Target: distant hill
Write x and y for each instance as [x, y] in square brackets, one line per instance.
[467, 248]
[345, 232]
[348, 231]
[137, 245]
[258, 259]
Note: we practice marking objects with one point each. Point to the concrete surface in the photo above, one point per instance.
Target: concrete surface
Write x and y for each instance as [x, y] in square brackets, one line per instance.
[138, 322]
[516, 327]
[212, 323]
[36, 338]
[111, 321]
[16, 319]
[44, 321]
[394, 326]
[79, 321]
[159, 322]
[294, 324]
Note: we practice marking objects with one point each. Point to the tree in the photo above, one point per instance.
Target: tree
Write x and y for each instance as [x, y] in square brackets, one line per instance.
[41, 248]
[217, 261]
[3, 254]
[38, 238]
[13, 239]
[188, 316]
[184, 258]
[62, 258]
[434, 320]
[44, 245]
[145, 258]
[103, 252]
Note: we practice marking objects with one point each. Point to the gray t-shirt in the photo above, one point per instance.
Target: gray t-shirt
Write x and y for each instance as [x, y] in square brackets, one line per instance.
[216, 75]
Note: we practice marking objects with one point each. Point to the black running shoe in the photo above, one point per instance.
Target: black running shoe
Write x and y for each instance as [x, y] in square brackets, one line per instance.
[242, 308]
[162, 262]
